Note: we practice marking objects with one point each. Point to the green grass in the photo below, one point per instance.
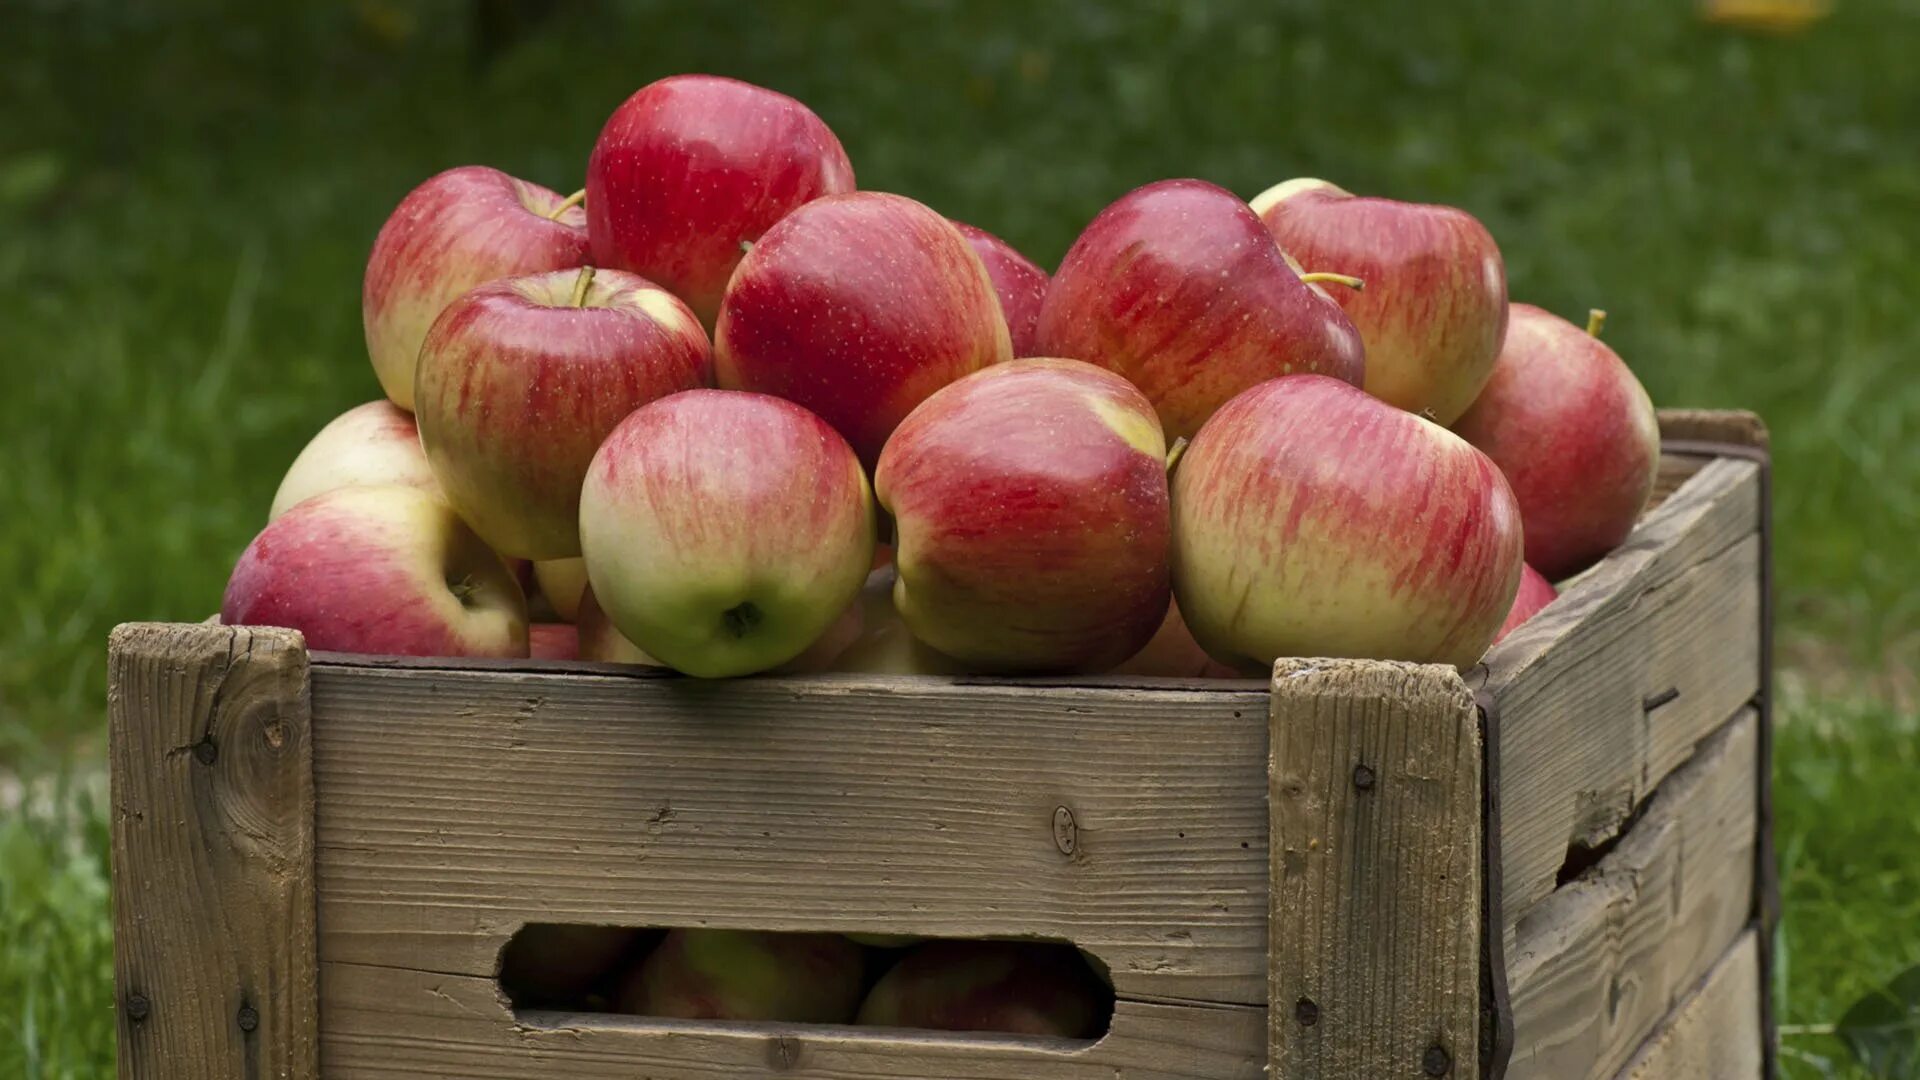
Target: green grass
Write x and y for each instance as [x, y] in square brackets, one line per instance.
[187, 196]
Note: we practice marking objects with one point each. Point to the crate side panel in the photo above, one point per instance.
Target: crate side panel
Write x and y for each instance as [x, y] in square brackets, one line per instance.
[1715, 1034]
[454, 806]
[386, 1023]
[1602, 960]
[1610, 688]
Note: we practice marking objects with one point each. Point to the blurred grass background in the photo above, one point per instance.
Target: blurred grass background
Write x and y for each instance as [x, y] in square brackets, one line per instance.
[188, 192]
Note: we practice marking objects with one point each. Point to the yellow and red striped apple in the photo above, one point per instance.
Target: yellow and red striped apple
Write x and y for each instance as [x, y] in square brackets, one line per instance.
[1312, 519]
[858, 307]
[725, 532]
[562, 582]
[1576, 434]
[1435, 307]
[367, 446]
[748, 975]
[691, 168]
[553, 641]
[1177, 287]
[1030, 502]
[1020, 285]
[461, 228]
[379, 570]
[1021, 988]
[1536, 592]
[521, 379]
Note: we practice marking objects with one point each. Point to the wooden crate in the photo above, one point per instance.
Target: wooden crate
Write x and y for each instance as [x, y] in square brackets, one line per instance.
[1553, 865]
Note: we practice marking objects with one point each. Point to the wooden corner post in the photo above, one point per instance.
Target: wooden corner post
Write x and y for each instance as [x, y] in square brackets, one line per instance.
[215, 971]
[1374, 781]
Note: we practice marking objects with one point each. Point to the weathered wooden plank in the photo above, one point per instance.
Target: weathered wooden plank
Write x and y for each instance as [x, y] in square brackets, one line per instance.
[1600, 962]
[1608, 689]
[214, 962]
[454, 806]
[386, 1023]
[1716, 1033]
[1736, 426]
[1375, 924]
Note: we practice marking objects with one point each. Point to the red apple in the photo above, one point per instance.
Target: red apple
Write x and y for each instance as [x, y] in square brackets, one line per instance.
[521, 379]
[1030, 502]
[1435, 306]
[1178, 288]
[366, 446]
[858, 307]
[1311, 519]
[1019, 285]
[746, 975]
[553, 641]
[601, 640]
[1017, 988]
[1536, 592]
[379, 570]
[462, 228]
[1172, 653]
[691, 168]
[725, 532]
[1576, 435]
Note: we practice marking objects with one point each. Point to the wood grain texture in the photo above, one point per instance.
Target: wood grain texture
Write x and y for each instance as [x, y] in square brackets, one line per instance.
[1600, 962]
[1715, 1034]
[213, 892]
[457, 805]
[1375, 927]
[1610, 688]
[1736, 426]
[386, 1023]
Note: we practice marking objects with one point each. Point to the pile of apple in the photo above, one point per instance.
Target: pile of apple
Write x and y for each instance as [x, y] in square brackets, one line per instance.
[1022, 988]
[723, 412]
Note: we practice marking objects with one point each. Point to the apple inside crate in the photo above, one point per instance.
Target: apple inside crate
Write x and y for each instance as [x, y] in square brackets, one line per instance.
[1551, 864]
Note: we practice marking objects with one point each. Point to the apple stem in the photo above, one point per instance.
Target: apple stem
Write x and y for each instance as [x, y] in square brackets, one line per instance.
[1595, 320]
[1178, 451]
[580, 286]
[568, 203]
[1319, 276]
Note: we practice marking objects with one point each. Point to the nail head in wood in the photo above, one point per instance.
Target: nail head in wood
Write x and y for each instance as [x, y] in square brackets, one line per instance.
[1306, 1012]
[205, 752]
[1066, 831]
[1436, 1062]
[248, 1018]
[1363, 777]
[138, 1007]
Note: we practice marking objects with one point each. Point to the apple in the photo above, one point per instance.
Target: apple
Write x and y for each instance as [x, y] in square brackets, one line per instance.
[461, 228]
[561, 582]
[725, 532]
[858, 307]
[366, 446]
[1019, 285]
[885, 645]
[520, 380]
[1172, 653]
[1177, 287]
[1536, 592]
[553, 641]
[1576, 434]
[1030, 503]
[1435, 307]
[562, 964]
[379, 570]
[1015, 987]
[1312, 519]
[601, 640]
[747, 975]
[692, 168]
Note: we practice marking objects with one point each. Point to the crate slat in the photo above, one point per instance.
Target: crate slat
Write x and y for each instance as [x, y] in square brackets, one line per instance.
[1610, 688]
[1716, 1033]
[1375, 925]
[388, 1023]
[212, 832]
[1600, 962]
[1131, 822]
